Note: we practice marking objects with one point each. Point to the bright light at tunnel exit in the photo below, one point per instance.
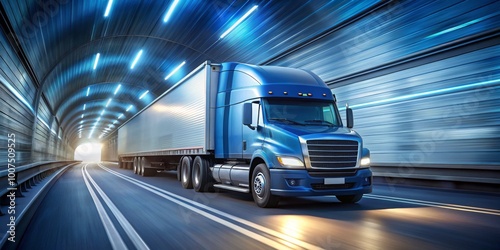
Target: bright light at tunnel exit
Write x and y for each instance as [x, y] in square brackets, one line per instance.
[88, 152]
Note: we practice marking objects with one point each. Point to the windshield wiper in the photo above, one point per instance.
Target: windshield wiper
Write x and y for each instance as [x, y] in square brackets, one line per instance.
[284, 120]
[323, 122]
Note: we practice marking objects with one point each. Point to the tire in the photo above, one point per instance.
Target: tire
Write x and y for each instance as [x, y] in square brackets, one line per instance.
[186, 166]
[179, 170]
[261, 188]
[349, 199]
[142, 165]
[200, 175]
[136, 165]
[146, 169]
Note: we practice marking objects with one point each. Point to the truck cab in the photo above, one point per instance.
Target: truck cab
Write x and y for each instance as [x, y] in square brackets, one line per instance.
[278, 132]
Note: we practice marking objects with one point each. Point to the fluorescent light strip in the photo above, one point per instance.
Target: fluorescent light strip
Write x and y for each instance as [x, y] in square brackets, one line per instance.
[109, 101]
[458, 26]
[136, 59]
[115, 121]
[121, 115]
[117, 88]
[17, 94]
[88, 91]
[102, 112]
[144, 94]
[43, 122]
[129, 107]
[83, 115]
[170, 11]
[108, 8]
[239, 21]
[175, 70]
[96, 60]
[84, 106]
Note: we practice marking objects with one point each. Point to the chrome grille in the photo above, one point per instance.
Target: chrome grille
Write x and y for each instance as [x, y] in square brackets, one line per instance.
[332, 153]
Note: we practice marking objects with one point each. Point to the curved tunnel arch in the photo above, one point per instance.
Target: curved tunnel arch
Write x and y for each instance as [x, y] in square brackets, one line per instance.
[112, 69]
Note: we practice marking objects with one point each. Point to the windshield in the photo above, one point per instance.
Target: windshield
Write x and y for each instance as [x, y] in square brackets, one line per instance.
[301, 112]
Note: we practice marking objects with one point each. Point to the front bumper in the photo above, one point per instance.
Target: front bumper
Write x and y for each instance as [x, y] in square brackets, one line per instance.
[287, 182]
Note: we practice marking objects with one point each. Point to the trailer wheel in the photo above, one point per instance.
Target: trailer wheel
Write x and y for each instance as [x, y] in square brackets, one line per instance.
[261, 187]
[349, 198]
[146, 169]
[186, 165]
[142, 164]
[136, 165]
[200, 175]
[179, 165]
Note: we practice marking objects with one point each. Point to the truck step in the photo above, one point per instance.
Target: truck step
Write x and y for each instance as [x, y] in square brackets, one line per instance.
[232, 188]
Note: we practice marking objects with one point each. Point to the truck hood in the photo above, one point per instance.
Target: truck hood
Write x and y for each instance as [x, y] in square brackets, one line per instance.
[300, 130]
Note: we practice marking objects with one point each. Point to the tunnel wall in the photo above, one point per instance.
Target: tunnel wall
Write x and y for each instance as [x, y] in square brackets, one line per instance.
[34, 141]
[422, 77]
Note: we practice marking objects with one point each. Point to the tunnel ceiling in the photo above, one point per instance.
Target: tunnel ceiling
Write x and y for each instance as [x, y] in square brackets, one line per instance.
[60, 40]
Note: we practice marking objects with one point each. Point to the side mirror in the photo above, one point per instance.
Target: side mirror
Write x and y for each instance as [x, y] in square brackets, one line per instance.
[349, 117]
[247, 115]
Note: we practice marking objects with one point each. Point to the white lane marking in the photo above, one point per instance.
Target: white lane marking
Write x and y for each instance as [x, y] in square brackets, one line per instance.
[164, 193]
[129, 229]
[113, 235]
[435, 204]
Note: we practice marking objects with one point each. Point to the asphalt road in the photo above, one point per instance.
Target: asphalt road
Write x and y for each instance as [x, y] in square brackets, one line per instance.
[104, 207]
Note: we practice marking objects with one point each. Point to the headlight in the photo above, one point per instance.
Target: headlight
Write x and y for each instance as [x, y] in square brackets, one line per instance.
[365, 162]
[290, 162]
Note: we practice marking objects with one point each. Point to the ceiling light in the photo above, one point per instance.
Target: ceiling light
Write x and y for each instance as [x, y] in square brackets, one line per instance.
[108, 8]
[84, 106]
[102, 112]
[96, 60]
[175, 70]
[83, 115]
[136, 59]
[170, 11]
[117, 88]
[143, 94]
[109, 101]
[129, 107]
[239, 21]
[121, 115]
[88, 91]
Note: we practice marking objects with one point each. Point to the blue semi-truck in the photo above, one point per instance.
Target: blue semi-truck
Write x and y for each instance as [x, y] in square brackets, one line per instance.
[266, 130]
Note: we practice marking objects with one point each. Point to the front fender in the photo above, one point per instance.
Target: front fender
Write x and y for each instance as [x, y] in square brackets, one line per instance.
[261, 154]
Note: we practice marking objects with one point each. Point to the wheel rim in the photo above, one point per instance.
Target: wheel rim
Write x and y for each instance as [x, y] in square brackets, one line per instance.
[135, 165]
[184, 173]
[259, 184]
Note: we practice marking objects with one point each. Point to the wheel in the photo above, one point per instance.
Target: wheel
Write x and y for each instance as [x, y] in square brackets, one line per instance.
[141, 166]
[146, 169]
[136, 165]
[200, 175]
[349, 198]
[186, 164]
[261, 188]
[179, 170]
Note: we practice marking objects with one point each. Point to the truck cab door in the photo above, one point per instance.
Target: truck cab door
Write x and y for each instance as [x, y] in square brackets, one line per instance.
[252, 138]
